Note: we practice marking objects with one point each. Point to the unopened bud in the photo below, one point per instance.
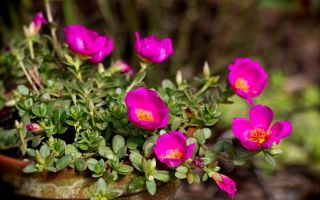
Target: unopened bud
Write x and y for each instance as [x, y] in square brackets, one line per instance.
[100, 68]
[33, 127]
[197, 162]
[179, 77]
[206, 70]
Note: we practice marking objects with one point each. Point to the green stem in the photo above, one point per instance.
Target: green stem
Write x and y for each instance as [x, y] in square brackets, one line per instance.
[52, 29]
[31, 48]
[77, 128]
[23, 146]
[144, 66]
[27, 76]
[251, 154]
[203, 89]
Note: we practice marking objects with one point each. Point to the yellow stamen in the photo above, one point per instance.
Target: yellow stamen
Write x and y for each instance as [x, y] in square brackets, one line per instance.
[144, 115]
[172, 154]
[258, 135]
[242, 84]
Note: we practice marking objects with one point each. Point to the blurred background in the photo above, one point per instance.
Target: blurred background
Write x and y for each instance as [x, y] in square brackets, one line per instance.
[284, 35]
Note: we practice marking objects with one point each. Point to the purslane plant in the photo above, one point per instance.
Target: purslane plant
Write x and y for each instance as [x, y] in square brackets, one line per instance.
[72, 111]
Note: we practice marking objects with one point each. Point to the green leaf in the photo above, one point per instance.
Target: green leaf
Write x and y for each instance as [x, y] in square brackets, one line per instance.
[134, 142]
[137, 183]
[180, 175]
[81, 165]
[102, 186]
[151, 186]
[44, 150]
[115, 193]
[167, 84]
[31, 168]
[205, 177]
[22, 89]
[182, 169]
[59, 118]
[270, 159]
[64, 162]
[51, 169]
[139, 78]
[70, 149]
[206, 160]
[162, 175]
[106, 152]
[199, 135]
[31, 152]
[176, 122]
[136, 159]
[124, 169]
[122, 152]
[207, 132]
[118, 142]
[148, 145]
[36, 141]
[92, 161]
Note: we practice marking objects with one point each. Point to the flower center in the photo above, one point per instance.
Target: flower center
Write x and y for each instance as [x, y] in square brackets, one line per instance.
[258, 135]
[242, 84]
[172, 154]
[144, 115]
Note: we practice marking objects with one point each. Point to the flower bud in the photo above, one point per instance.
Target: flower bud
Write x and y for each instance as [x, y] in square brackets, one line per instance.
[33, 127]
[206, 70]
[225, 184]
[179, 77]
[197, 162]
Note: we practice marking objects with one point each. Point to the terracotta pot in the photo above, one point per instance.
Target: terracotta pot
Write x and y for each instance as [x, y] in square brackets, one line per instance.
[68, 184]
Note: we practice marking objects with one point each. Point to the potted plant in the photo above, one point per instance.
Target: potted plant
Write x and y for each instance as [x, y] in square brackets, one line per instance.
[73, 128]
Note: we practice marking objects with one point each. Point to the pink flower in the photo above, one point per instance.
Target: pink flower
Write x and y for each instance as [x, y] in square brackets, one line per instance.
[256, 133]
[247, 78]
[146, 109]
[225, 183]
[153, 50]
[37, 21]
[171, 148]
[88, 43]
[33, 127]
[122, 67]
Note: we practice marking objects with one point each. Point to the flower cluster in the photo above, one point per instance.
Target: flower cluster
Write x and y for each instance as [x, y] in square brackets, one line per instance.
[249, 79]
[106, 121]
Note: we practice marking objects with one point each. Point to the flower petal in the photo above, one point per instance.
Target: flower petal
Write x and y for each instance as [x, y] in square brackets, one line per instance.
[279, 130]
[261, 116]
[226, 184]
[240, 126]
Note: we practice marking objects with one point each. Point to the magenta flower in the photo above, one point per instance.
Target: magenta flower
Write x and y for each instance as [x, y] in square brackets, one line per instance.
[247, 78]
[225, 183]
[122, 67]
[88, 43]
[146, 109]
[37, 21]
[152, 49]
[256, 133]
[171, 148]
